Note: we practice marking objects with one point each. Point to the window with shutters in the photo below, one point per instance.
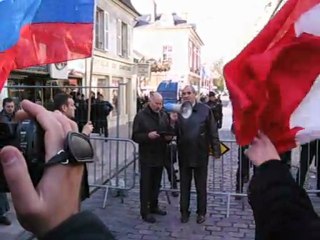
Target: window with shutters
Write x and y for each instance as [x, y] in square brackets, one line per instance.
[102, 26]
[167, 53]
[106, 31]
[99, 38]
[123, 39]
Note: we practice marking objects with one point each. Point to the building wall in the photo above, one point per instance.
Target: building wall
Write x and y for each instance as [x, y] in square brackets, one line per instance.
[150, 41]
[110, 69]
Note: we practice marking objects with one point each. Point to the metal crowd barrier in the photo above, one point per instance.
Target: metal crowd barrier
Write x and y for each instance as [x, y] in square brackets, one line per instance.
[229, 176]
[114, 166]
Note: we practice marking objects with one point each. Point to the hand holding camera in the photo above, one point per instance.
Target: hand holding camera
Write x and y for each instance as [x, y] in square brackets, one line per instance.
[43, 205]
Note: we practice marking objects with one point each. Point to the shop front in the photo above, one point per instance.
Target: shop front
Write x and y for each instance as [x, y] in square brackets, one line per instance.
[116, 81]
[37, 84]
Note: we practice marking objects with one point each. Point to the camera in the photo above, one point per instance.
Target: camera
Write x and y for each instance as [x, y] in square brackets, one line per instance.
[28, 137]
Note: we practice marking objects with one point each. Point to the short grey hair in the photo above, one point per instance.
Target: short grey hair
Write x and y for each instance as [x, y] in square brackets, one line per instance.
[154, 94]
[193, 90]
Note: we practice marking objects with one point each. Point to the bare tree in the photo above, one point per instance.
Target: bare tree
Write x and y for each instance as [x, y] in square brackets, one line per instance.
[217, 73]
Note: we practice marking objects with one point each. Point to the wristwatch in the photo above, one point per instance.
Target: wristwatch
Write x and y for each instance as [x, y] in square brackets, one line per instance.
[77, 150]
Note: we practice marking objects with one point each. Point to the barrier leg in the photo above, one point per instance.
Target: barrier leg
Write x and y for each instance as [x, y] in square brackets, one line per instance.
[105, 197]
[168, 198]
[228, 205]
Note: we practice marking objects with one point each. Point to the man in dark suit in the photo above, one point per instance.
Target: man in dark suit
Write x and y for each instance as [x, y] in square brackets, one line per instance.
[100, 110]
[216, 107]
[147, 127]
[195, 135]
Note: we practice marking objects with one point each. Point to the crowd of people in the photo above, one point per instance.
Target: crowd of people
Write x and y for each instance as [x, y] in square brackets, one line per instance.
[51, 210]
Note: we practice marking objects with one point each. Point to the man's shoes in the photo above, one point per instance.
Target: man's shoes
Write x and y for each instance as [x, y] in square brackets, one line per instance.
[158, 211]
[175, 194]
[201, 219]
[4, 220]
[148, 218]
[184, 218]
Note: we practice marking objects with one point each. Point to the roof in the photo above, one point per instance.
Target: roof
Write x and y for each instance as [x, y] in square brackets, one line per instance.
[146, 19]
[129, 5]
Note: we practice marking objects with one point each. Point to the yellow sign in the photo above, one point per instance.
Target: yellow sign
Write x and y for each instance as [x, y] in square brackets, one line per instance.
[223, 149]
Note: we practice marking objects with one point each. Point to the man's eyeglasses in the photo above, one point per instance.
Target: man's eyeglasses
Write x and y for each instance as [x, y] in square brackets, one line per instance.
[186, 93]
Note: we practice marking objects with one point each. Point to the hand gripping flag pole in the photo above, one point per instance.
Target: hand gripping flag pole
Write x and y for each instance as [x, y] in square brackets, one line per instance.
[91, 64]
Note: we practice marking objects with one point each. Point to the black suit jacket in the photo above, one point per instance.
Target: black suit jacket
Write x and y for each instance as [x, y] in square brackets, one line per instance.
[152, 152]
[195, 135]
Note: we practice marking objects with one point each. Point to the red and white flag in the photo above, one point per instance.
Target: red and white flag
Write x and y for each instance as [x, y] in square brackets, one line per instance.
[274, 83]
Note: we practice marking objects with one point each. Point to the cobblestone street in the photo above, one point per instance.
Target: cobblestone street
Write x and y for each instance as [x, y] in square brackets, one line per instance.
[124, 220]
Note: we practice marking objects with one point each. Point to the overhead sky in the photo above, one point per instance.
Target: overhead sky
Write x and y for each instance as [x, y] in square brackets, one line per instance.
[225, 26]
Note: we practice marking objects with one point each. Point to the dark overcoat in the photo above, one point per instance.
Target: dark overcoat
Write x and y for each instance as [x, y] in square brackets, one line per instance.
[195, 135]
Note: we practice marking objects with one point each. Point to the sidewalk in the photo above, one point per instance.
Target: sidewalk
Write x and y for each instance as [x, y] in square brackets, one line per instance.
[14, 231]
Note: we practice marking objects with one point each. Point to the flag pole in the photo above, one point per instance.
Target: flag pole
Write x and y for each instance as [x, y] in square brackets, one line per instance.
[91, 62]
[276, 9]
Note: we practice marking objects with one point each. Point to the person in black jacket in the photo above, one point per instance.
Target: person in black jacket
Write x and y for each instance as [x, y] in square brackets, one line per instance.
[281, 208]
[194, 136]
[308, 152]
[100, 110]
[171, 158]
[51, 210]
[6, 115]
[216, 107]
[147, 127]
[81, 112]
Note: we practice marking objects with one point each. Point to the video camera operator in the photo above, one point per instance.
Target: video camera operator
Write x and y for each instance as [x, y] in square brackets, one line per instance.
[50, 210]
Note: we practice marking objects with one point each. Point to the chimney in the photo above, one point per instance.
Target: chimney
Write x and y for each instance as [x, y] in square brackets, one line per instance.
[184, 16]
[153, 11]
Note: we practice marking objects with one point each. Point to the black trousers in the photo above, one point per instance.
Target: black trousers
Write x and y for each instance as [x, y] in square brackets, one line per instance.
[308, 151]
[242, 174]
[200, 178]
[101, 127]
[150, 180]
